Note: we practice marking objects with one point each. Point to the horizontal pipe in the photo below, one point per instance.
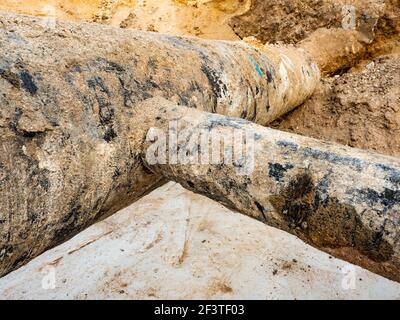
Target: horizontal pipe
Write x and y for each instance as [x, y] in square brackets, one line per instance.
[70, 97]
[341, 200]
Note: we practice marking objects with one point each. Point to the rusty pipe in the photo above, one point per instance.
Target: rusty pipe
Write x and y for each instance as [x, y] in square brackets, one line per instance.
[69, 96]
[341, 200]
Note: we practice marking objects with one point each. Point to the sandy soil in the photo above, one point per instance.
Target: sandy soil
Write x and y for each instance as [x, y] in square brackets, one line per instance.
[292, 21]
[202, 18]
[359, 109]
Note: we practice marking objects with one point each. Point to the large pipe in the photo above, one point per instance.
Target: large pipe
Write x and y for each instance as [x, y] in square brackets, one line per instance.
[341, 200]
[69, 96]
[73, 126]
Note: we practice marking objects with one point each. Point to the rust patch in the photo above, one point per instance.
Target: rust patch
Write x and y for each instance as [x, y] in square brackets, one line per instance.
[185, 252]
[155, 242]
[295, 202]
[88, 243]
[219, 286]
[328, 223]
[53, 264]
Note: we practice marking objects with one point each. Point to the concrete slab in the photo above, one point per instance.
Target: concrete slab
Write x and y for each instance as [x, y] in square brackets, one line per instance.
[174, 244]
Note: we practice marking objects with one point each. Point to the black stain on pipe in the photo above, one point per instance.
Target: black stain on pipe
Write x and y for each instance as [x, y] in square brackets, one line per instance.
[28, 83]
[321, 219]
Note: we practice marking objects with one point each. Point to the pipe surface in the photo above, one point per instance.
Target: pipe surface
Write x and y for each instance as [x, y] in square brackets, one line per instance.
[341, 200]
[69, 97]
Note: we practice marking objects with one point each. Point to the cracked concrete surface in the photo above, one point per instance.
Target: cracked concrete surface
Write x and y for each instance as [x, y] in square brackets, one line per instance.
[156, 250]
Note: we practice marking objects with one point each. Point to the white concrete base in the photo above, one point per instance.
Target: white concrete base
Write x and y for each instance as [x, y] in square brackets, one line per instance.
[174, 244]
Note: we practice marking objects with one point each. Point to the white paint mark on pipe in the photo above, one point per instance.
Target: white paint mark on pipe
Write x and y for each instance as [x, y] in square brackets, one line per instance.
[285, 82]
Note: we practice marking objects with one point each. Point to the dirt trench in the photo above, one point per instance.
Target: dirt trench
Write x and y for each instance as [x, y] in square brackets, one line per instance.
[360, 109]
[359, 105]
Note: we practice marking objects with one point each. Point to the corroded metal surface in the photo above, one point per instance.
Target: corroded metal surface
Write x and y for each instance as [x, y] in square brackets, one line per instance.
[69, 96]
[73, 124]
[342, 200]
